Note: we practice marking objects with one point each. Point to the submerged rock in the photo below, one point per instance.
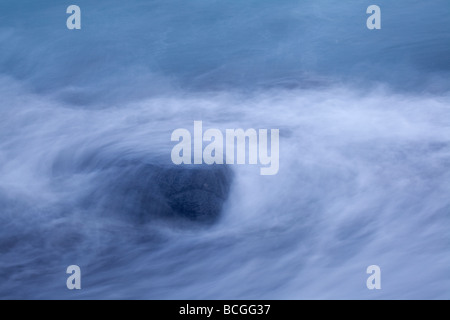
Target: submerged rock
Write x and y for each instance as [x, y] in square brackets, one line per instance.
[171, 192]
[146, 192]
[143, 188]
[196, 193]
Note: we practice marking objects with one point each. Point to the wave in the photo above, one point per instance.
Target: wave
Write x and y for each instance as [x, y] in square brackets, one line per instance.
[363, 180]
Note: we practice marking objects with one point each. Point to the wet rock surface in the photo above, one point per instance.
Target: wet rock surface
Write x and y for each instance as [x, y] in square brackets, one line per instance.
[148, 192]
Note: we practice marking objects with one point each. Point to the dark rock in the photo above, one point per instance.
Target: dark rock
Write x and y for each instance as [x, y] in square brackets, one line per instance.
[196, 193]
[144, 188]
[146, 192]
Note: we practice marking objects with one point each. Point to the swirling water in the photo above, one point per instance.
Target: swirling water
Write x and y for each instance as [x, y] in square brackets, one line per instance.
[364, 134]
